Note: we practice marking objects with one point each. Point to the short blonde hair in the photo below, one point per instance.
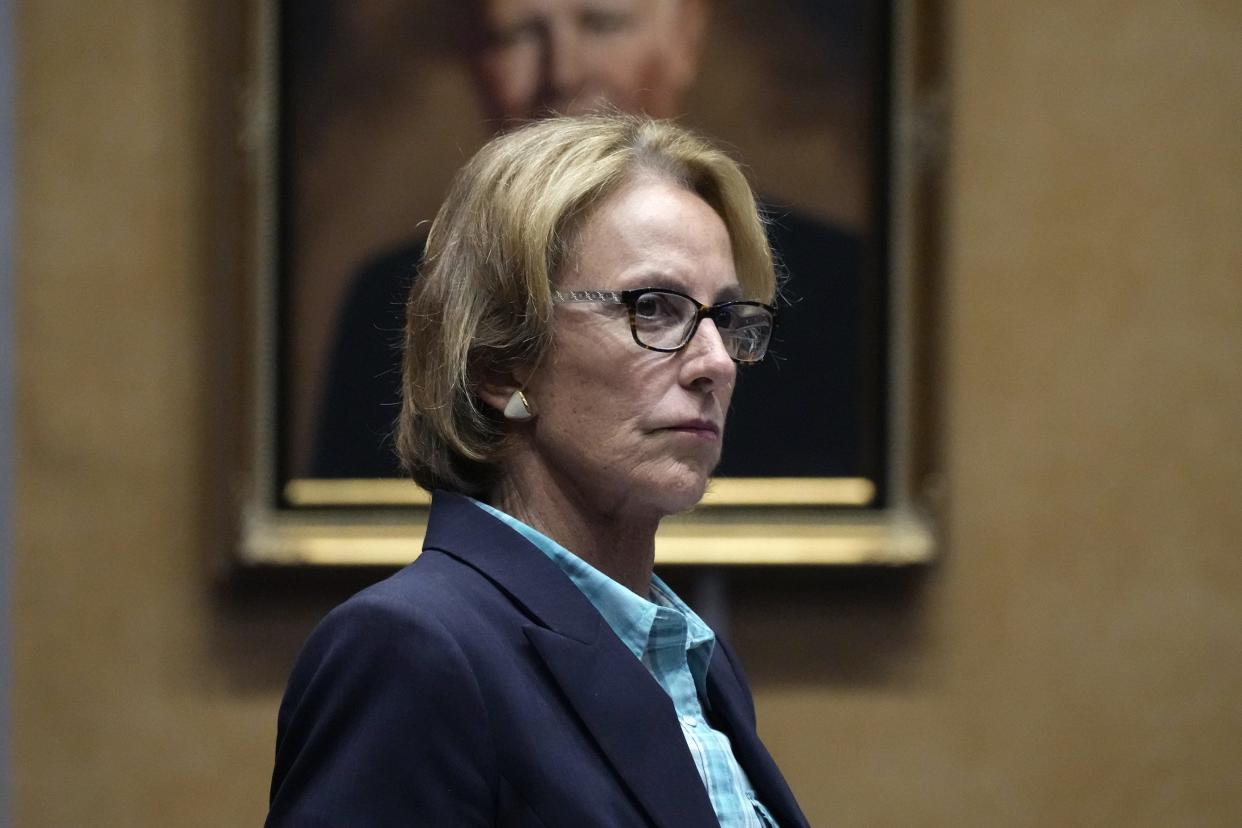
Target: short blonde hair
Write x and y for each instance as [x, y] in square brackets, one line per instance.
[481, 305]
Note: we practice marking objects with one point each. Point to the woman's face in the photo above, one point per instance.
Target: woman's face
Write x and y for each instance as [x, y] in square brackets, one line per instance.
[625, 430]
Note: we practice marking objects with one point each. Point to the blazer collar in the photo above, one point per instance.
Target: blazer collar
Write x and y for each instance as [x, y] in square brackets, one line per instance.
[605, 684]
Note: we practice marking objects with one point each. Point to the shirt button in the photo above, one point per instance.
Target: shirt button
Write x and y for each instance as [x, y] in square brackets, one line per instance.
[689, 721]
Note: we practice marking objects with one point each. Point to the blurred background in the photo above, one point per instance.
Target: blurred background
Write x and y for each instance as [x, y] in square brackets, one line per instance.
[1074, 658]
[383, 105]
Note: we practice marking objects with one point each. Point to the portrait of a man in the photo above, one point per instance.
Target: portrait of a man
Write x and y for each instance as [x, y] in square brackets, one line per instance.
[381, 95]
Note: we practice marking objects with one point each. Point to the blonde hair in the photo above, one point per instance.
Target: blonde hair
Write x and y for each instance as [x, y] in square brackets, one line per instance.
[481, 305]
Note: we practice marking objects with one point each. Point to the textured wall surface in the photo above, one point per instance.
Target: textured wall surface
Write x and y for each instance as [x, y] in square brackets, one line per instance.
[1076, 658]
[6, 380]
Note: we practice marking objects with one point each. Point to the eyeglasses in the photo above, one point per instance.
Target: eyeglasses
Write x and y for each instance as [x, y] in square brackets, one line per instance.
[666, 320]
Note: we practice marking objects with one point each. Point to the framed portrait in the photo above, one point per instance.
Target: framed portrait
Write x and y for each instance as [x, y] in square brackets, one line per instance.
[363, 110]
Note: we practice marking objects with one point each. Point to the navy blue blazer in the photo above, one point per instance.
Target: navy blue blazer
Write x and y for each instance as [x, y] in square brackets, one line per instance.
[478, 686]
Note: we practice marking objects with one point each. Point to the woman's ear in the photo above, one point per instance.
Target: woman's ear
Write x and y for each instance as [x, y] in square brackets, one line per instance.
[507, 397]
[496, 391]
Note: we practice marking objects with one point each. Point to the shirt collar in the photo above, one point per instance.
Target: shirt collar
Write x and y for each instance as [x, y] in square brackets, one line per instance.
[629, 615]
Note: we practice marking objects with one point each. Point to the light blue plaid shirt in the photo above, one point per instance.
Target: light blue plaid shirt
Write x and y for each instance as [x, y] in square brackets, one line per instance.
[676, 646]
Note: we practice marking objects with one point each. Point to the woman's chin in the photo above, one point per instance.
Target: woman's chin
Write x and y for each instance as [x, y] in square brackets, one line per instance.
[681, 491]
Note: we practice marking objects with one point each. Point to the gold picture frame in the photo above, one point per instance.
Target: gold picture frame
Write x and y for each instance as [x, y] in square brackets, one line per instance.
[882, 517]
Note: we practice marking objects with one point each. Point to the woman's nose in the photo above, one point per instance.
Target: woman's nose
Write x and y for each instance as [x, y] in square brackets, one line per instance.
[708, 361]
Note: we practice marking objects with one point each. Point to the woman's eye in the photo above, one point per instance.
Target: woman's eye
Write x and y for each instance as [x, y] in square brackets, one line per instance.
[655, 306]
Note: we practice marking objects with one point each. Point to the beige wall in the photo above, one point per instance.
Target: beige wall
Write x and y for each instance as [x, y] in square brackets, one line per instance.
[1076, 659]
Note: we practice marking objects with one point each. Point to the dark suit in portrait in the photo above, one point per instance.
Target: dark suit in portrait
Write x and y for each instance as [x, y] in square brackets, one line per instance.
[479, 686]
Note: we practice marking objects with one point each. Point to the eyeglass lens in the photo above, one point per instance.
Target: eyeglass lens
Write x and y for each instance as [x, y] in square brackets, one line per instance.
[667, 321]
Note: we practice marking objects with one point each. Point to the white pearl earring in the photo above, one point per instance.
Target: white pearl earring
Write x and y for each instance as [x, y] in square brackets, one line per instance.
[518, 408]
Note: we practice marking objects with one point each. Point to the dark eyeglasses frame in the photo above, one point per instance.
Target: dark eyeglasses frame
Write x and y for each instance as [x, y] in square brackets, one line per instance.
[629, 298]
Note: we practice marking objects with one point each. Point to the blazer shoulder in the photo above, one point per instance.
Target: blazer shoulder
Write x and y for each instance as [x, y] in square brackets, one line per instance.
[378, 668]
[436, 603]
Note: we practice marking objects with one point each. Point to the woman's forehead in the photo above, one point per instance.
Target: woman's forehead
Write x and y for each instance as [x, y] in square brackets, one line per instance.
[652, 233]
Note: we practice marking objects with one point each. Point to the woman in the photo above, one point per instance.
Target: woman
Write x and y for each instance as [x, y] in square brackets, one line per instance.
[572, 346]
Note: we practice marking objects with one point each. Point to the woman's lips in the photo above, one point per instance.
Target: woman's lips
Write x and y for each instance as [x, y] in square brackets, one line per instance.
[705, 429]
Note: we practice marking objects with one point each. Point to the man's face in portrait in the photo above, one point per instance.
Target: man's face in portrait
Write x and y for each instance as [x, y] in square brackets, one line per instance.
[534, 57]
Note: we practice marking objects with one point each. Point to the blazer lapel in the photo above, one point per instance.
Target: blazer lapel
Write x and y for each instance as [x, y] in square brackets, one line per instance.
[609, 689]
[726, 696]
